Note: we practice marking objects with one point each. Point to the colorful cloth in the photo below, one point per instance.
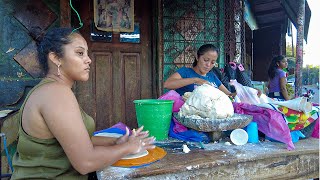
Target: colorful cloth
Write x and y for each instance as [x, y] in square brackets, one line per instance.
[296, 120]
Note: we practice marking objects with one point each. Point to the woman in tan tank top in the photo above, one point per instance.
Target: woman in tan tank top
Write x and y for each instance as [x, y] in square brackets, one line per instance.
[55, 135]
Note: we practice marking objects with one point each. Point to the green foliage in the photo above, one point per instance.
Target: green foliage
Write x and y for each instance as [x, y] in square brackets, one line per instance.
[289, 51]
[310, 75]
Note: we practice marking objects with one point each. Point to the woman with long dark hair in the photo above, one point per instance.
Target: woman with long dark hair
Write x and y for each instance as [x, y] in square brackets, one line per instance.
[55, 135]
[277, 78]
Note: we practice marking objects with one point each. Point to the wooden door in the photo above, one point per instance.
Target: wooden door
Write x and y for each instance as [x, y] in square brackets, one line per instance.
[120, 72]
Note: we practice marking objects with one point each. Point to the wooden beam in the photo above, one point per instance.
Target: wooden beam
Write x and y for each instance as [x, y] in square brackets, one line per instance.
[160, 46]
[269, 11]
[269, 18]
[275, 23]
[268, 6]
[65, 14]
[263, 1]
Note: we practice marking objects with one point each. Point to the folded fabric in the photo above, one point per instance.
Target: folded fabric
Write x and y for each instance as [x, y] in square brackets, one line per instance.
[298, 104]
[270, 122]
[296, 120]
[188, 135]
[178, 127]
[118, 128]
[315, 132]
[265, 99]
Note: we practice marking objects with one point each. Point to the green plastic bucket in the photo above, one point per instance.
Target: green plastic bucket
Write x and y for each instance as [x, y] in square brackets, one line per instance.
[155, 115]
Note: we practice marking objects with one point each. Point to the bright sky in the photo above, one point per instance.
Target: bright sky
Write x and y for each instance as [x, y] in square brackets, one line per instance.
[311, 49]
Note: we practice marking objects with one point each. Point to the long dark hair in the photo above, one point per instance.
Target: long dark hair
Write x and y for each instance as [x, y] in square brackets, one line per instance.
[274, 66]
[53, 41]
[202, 50]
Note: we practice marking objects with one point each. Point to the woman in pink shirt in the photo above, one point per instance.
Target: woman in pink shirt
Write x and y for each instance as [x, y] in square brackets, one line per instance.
[278, 78]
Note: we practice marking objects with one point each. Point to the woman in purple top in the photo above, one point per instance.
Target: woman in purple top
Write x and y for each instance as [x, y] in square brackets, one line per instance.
[277, 78]
[186, 79]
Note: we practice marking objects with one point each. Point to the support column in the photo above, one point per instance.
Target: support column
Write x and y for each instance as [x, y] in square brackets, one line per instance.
[299, 47]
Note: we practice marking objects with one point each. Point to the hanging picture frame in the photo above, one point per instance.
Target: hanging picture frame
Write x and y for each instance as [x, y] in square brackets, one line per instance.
[114, 15]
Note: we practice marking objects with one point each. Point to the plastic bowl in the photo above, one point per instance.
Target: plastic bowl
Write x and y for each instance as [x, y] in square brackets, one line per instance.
[239, 137]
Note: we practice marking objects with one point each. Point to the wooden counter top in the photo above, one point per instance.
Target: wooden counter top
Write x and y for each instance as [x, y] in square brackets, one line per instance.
[266, 160]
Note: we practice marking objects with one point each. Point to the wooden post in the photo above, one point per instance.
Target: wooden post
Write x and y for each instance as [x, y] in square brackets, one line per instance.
[299, 47]
[160, 46]
[65, 13]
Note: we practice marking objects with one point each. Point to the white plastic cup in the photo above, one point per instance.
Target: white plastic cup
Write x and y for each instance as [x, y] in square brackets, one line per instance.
[239, 137]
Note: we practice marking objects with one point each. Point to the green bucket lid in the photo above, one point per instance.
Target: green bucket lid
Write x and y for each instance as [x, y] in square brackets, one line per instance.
[153, 101]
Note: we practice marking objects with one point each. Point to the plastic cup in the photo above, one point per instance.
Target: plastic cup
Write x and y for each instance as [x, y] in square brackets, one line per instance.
[155, 115]
[239, 137]
[252, 130]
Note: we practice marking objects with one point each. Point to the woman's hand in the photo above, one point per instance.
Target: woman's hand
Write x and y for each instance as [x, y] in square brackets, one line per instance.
[259, 92]
[125, 137]
[200, 81]
[138, 141]
[233, 94]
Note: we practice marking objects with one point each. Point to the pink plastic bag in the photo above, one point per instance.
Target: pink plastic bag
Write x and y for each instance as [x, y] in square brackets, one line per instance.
[270, 122]
[173, 95]
[315, 132]
[178, 102]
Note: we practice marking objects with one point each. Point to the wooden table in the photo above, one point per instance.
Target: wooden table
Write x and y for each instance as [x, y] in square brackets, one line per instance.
[266, 160]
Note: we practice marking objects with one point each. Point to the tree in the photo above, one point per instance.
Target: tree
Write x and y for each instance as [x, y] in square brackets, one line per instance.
[310, 75]
[289, 51]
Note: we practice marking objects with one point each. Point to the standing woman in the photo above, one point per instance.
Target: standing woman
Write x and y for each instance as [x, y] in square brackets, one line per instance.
[185, 79]
[277, 78]
[55, 135]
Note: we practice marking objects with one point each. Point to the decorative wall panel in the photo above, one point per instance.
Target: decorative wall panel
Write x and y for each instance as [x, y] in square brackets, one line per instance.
[21, 22]
[189, 24]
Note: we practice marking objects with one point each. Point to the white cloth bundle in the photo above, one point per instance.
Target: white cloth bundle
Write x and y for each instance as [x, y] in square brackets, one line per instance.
[207, 101]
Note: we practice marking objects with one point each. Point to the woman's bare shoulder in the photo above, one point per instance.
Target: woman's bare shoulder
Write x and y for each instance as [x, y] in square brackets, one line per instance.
[54, 88]
[58, 105]
[54, 94]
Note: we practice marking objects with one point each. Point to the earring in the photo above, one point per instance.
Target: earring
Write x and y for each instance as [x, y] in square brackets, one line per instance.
[59, 69]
